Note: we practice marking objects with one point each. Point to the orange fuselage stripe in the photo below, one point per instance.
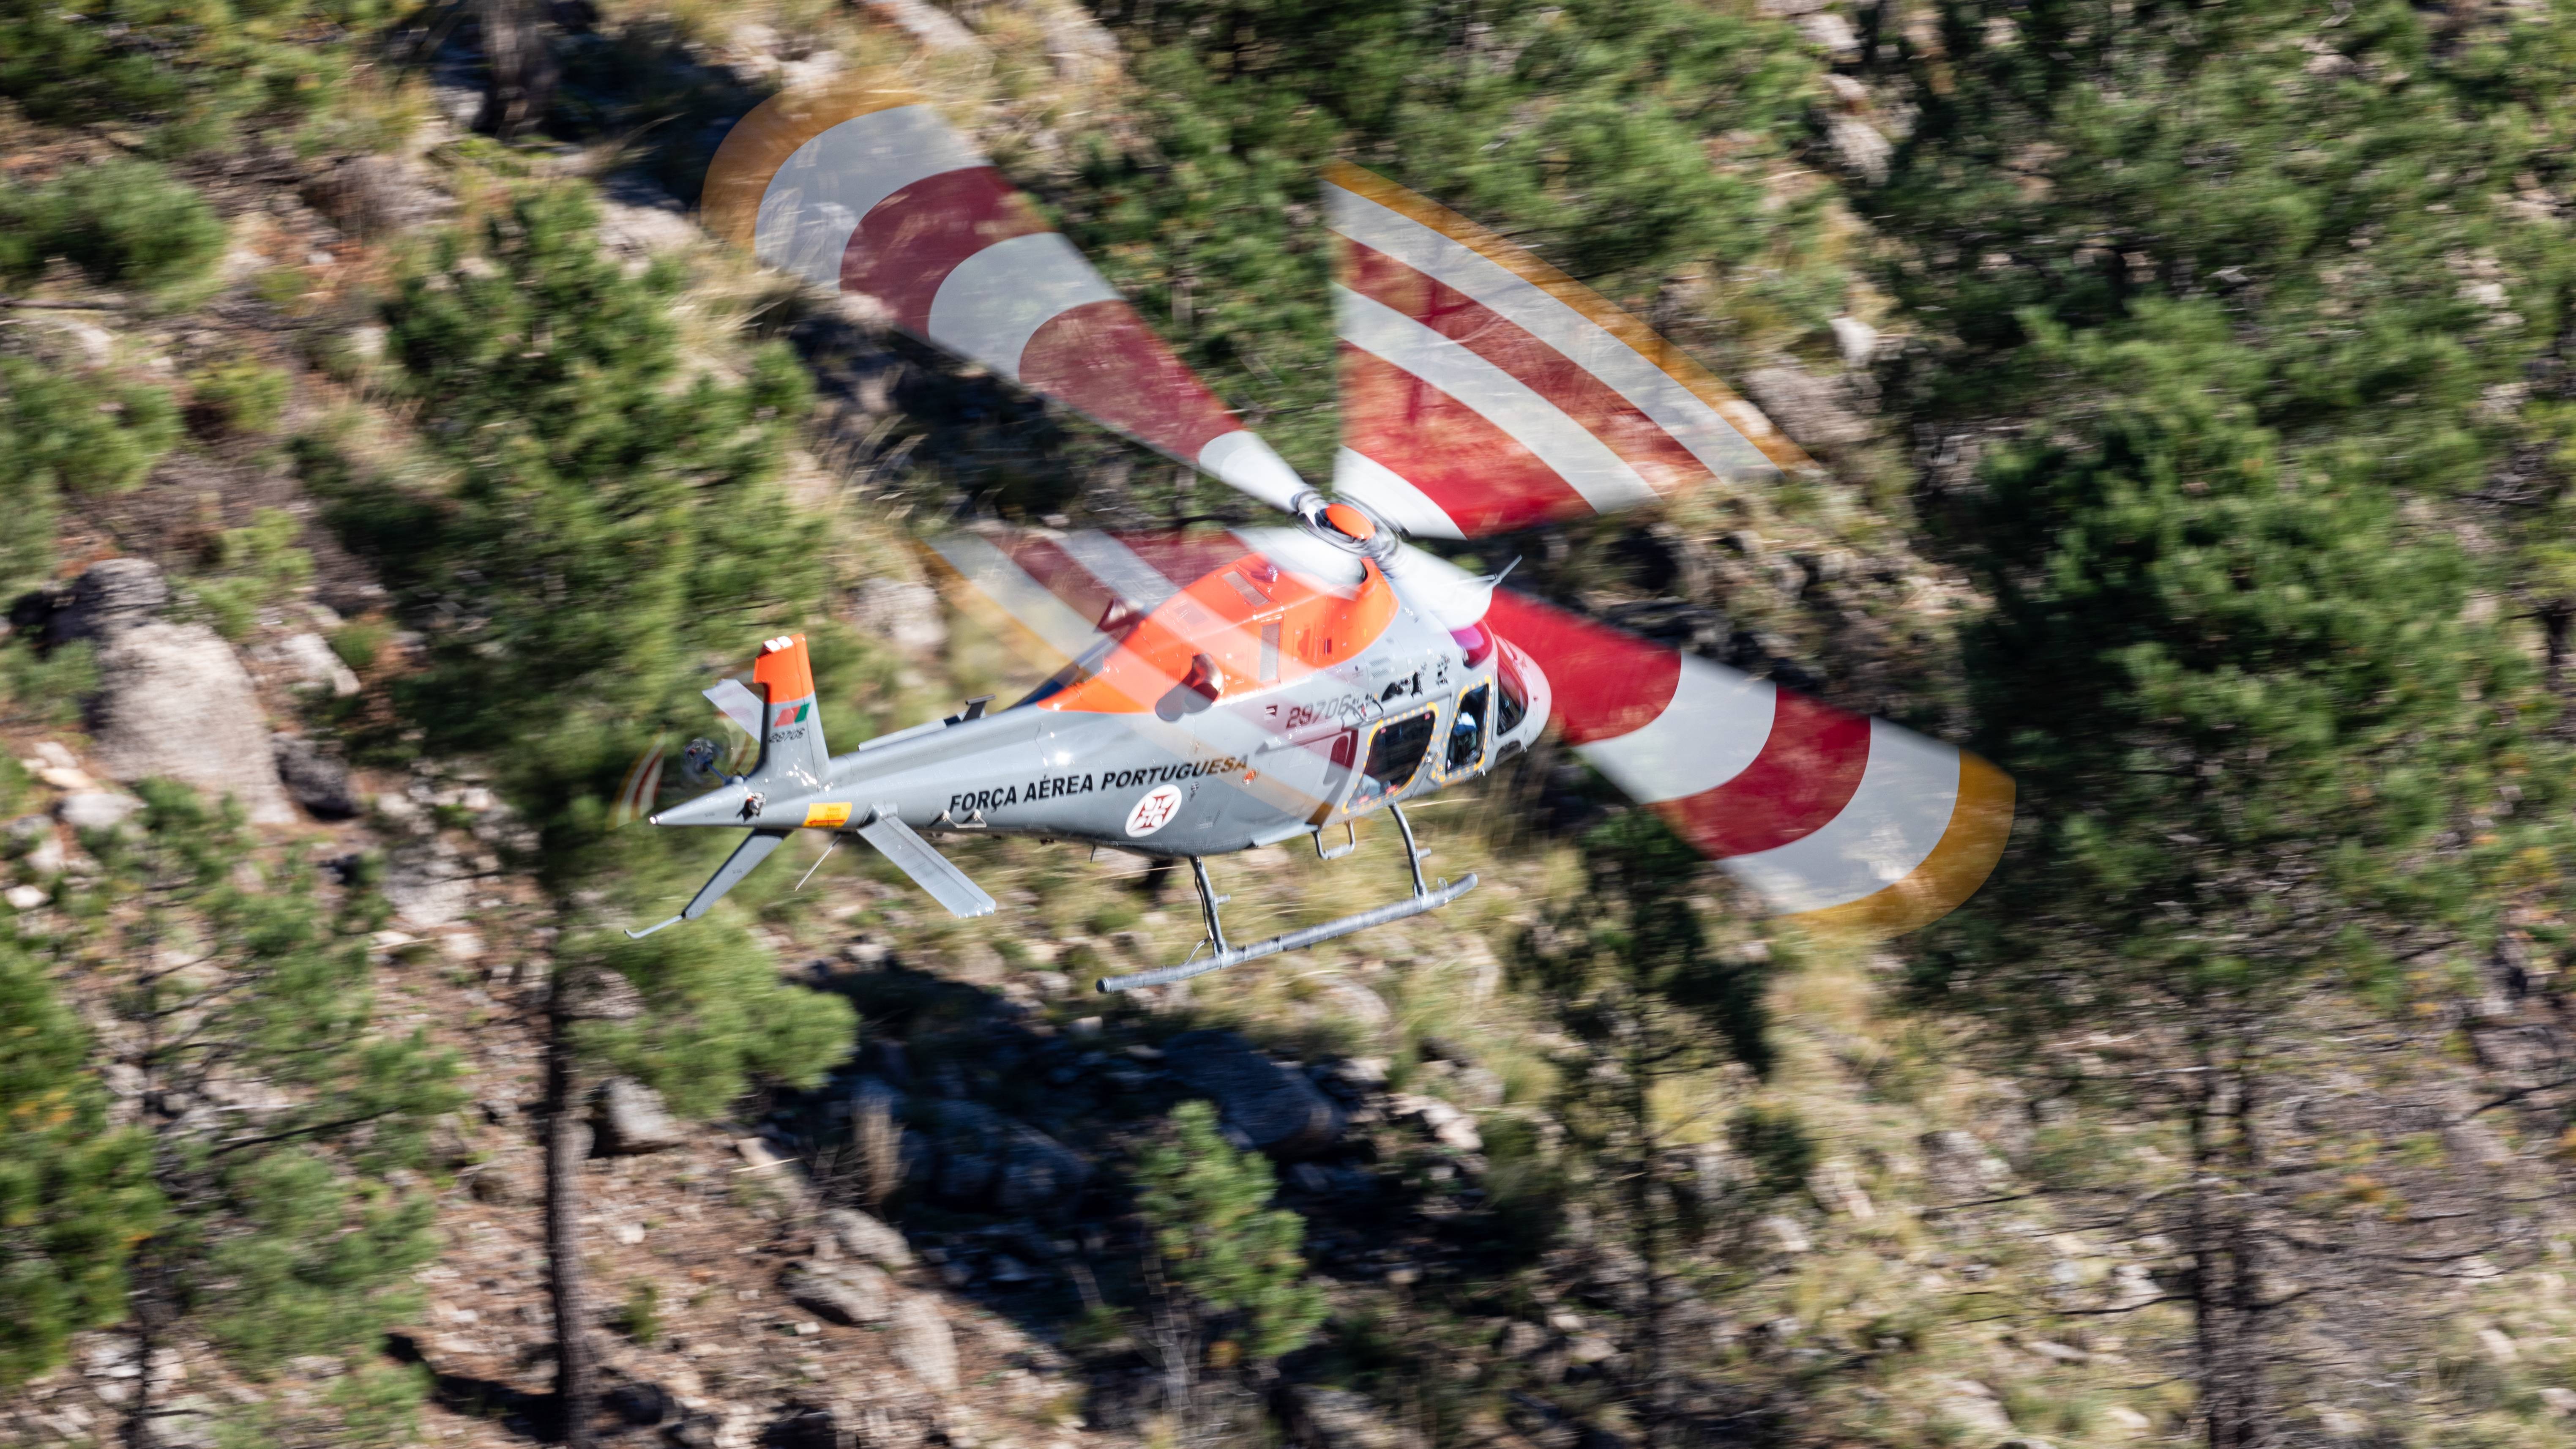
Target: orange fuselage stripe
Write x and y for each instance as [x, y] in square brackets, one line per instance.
[1317, 629]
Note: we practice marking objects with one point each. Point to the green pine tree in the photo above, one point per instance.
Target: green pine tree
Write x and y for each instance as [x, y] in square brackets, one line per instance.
[1236, 1260]
[2253, 330]
[612, 518]
[275, 1110]
[2262, 756]
[1628, 972]
[75, 1194]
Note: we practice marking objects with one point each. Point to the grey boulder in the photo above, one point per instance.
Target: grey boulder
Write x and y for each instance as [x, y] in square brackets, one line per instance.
[1813, 410]
[313, 779]
[982, 1156]
[848, 1293]
[923, 1344]
[174, 703]
[630, 1120]
[1329, 1418]
[97, 809]
[113, 596]
[866, 1238]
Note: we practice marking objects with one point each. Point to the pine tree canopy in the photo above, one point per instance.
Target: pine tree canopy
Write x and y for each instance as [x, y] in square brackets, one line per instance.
[1207, 1204]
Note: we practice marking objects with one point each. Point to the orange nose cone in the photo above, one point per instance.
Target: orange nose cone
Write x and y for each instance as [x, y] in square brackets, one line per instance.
[1350, 521]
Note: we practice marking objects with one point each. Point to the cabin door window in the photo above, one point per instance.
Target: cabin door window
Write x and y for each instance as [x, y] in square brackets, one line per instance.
[1467, 730]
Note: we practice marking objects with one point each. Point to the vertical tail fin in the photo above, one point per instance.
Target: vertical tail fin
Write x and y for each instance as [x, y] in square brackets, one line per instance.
[791, 735]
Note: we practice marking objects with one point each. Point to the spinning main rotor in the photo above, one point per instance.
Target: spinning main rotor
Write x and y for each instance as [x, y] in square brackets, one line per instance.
[1482, 392]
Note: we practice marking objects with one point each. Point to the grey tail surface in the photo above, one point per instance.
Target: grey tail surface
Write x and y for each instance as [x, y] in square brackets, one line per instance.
[754, 849]
[928, 868]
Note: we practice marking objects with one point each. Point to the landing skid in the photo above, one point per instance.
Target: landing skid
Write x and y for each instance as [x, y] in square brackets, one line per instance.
[1424, 898]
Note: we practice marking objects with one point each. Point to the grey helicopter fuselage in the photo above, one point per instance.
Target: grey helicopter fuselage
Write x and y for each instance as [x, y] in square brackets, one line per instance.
[1244, 744]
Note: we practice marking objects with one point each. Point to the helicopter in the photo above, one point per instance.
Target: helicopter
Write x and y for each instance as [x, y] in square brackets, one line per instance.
[1226, 692]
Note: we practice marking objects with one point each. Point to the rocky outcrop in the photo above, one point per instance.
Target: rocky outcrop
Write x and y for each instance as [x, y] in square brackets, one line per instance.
[1329, 1418]
[931, 28]
[174, 703]
[309, 658]
[114, 595]
[923, 1344]
[865, 1238]
[1273, 1107]
[428, 883]
[377, 195]
[855, 1294]
[313, 779]
[1449, 1125]
[904, 615]
[629, 1120]
[1812, 410]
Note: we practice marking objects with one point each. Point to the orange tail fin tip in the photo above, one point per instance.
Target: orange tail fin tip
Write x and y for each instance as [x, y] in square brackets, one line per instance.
[784, 668]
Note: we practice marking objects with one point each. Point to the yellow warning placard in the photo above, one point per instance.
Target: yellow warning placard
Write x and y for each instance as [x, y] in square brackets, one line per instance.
[827, 816]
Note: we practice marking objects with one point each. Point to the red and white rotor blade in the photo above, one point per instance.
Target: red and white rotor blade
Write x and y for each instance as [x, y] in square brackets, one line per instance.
[1484, 391]
[861, 186]
[1845, 823]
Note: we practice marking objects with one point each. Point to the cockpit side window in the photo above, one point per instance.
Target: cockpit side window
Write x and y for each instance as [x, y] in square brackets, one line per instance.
[1515, 698]
[1467, 731]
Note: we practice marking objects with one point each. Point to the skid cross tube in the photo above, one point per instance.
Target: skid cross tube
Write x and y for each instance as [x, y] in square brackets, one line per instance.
[1424, 898]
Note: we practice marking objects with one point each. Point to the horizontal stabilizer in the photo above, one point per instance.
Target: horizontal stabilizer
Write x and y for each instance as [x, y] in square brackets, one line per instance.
[928, 868]
[736, 703]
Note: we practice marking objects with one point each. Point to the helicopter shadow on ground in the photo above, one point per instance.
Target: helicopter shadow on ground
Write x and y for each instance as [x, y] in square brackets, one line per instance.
[1023, 1110]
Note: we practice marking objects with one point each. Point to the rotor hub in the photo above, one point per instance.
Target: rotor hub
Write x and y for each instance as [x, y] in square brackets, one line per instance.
[1348, 526]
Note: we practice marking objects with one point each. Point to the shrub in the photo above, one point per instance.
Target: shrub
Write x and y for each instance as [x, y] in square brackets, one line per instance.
[46, 688]
[75, 433]
[125, 224]
[185, 74]
[1776, 1143]
[359, 641]
[252, 567]
[640, 1317]
[237, 396]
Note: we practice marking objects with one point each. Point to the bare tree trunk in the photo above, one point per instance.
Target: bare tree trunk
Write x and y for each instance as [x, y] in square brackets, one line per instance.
[2208, 1333]
[2555, 618]
[2228, 1288]
[151, 1309]
[1174, 1337]
[522, 66]
[2247, 1287]
[1650, 1249]
[153, 1297]
[576, 1386]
